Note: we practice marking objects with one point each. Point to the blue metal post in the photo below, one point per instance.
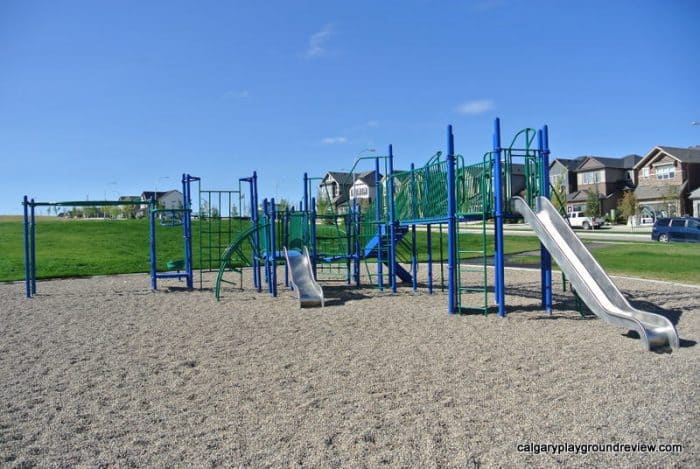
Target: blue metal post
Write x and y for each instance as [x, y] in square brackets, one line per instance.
[313, 235]
[414, 214]
[414, 259]
[187, 227]
[498, 216]
[256, 234]
[152, 240]
[546, 258]
[356, 247]
[272, 254]
[32, 235]
[287, 217]
[378, 220]
[392, 220]
[305, 235]
[27, 266]
[350, 242]
[266, 247]
[451, 225]
[429, 240]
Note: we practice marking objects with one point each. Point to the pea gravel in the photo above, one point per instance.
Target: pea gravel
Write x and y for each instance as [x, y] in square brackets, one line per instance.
[104, 372]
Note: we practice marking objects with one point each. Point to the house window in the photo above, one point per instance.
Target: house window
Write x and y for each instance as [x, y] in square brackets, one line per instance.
[645, 172]
[667, 171]
[591, 177]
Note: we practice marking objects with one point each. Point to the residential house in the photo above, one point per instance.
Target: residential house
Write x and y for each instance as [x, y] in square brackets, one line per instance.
[608, 177]
[695, 202]
[335, 187]
[562, 174]
[667, 178]
[364, 186]
[340, 188]
[167, 200]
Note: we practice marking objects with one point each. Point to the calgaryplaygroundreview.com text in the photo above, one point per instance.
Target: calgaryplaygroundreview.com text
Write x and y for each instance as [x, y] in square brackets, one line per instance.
[586, 448]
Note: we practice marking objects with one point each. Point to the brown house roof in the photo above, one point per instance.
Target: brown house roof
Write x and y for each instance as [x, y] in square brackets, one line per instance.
[685, 155]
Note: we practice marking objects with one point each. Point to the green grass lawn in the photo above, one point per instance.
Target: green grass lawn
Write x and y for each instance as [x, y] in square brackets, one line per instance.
[69, 248]
[674, 261]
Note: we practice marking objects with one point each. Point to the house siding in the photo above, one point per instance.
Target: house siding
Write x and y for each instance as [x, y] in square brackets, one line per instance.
[685, 179]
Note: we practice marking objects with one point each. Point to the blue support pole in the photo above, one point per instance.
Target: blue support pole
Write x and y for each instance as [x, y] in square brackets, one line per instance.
[350, 242]
[313, 235]
[272, 254]
[187, 227]
[414, 215]
[545, 256]
[27, 261]
[451, 225]
[287, 217]
[378, 221]
[356, 254]
[32, 250]
[266, 247]
[498, 219]
[152, 242]
[256, 234]
[414, 259]
[429, 240]
[392, 220]
[305, 201]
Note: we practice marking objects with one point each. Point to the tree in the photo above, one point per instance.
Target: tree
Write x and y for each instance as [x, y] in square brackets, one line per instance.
[593, 203]
[558, 194]
[129, 211]
[628, 205]
[670, 199]
[203, 210]
[283, 204]
[324, 206]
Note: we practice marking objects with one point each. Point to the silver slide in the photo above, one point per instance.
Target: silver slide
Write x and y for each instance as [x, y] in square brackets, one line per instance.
[307, 289]
[592, 284]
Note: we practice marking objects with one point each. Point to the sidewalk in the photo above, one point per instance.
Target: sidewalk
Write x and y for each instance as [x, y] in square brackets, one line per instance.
[609, 233]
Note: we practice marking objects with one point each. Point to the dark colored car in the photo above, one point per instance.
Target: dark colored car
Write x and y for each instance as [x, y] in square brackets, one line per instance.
[683, 229]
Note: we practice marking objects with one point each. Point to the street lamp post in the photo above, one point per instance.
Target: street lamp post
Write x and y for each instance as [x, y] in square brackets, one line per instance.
[357, 158]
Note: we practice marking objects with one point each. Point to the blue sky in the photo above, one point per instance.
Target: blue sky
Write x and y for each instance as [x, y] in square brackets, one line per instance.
[112, 98]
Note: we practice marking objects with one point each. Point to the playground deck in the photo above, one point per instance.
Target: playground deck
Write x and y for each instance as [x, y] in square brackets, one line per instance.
[102, 371]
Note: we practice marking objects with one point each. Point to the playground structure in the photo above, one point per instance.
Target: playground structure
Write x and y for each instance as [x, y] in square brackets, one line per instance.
[445, 193]
[448, 193]
[178, 269]
[442, 195]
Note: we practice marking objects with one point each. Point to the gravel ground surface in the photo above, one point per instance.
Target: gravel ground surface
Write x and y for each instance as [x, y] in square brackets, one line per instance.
[102, 371]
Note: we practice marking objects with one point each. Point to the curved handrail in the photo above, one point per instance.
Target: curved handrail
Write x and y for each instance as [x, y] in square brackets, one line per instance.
[228, 253]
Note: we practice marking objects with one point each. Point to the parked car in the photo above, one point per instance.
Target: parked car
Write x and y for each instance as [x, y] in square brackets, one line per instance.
[683, 229]
[580, 220]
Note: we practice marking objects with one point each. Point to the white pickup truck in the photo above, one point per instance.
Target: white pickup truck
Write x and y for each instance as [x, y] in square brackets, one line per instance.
[580, 220]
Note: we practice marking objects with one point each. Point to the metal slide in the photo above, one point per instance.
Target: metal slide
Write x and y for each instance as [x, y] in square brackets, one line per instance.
[591, 282]
[307, 289]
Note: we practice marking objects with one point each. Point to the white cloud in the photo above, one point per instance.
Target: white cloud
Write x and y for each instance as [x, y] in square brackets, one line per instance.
[478, 106]
[334, 140]
[317, 42]
[241, 94]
